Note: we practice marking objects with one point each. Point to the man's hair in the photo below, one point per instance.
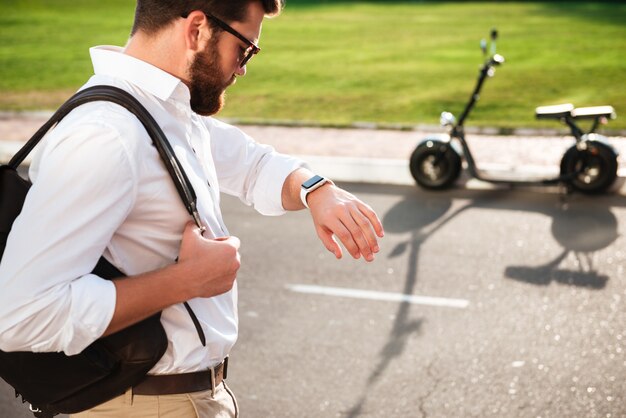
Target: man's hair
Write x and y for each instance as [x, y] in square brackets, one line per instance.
[153, 15]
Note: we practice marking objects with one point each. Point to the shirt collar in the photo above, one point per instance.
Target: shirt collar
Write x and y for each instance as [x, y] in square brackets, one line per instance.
[111, 61]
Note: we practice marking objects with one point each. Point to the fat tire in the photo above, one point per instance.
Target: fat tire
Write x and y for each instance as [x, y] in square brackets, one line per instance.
[435, 165]
[597, 157]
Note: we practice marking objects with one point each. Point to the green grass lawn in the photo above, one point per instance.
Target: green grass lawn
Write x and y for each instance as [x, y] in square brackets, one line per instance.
[339, 61]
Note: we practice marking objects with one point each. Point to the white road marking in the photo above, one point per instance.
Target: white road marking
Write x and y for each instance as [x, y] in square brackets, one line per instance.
[373, 295]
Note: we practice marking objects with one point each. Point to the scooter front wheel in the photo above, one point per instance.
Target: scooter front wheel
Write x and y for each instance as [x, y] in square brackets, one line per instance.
[593, 169]
[435, 165]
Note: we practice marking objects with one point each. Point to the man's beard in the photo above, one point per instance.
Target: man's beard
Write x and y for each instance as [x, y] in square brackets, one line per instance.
[207, 85]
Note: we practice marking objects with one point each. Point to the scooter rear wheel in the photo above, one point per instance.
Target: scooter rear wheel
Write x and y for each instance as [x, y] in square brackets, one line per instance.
[594, 168]
[435, 165]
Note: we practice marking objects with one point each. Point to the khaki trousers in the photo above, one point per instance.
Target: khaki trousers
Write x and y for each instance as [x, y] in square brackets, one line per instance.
[186, 405]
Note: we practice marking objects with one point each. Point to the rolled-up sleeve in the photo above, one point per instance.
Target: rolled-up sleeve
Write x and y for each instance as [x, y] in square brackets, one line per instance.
[251, 171]
[83, 190]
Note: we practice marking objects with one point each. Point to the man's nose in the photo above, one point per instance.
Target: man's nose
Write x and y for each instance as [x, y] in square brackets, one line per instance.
[241, 71]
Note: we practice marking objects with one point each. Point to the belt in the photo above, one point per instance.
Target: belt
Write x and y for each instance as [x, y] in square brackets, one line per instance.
[171, 384]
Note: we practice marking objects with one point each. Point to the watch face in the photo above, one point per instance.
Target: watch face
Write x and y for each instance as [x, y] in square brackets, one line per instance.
[312, 182]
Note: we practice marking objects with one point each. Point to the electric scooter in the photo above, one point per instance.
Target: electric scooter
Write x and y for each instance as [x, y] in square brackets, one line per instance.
[589, 166]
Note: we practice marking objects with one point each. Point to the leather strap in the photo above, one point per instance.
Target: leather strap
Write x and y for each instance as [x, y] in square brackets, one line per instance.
[171, 384]
[128, 101]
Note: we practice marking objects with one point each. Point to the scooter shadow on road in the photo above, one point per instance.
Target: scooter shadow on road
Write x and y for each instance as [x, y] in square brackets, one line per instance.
[581, 231]
[581, 225]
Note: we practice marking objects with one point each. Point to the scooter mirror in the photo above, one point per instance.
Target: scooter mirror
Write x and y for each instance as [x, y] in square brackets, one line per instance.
[483, 46]
[498, 59]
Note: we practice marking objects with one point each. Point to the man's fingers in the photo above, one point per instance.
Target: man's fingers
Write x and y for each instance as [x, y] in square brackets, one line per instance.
[353, 230]
[192, 229]
[358, 239]
[350, 235]
[367, 229]
[373, 219]
[338, 214]
[234, 241]
[361, 239]
[329, 242]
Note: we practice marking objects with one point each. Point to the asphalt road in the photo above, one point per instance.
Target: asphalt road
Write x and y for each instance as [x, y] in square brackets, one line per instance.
[517, 310]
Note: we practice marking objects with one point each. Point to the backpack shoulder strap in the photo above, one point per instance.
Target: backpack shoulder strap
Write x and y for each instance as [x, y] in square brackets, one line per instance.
[125, 99]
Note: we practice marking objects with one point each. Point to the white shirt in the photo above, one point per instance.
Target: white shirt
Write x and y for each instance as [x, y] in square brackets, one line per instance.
[99, 187]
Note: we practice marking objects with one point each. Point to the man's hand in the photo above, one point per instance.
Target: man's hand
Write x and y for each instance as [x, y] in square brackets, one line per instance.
[337, 213]
[211, 264]
[205, 268]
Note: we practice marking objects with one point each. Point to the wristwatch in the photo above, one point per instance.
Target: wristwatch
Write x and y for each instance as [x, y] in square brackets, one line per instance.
[311, 184]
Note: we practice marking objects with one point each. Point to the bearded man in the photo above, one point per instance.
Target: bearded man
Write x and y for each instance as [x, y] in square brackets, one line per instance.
[122, 204]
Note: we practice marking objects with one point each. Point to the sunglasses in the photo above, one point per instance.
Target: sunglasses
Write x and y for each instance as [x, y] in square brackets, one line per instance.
[248, 53]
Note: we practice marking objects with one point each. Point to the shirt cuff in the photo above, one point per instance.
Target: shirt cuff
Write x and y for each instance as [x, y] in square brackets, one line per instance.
[268, 197]
[91, 312]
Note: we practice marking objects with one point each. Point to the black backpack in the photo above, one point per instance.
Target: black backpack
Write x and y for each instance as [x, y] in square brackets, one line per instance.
[53, 382]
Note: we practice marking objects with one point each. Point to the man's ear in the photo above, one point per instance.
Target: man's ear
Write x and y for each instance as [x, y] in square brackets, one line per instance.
[195, 24]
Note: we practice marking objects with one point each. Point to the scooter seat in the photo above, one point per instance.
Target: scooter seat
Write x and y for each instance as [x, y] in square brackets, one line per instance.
[593, 112]
[554, 112]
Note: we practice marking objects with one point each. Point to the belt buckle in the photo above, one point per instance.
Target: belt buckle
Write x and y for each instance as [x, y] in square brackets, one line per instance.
[213, 370]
